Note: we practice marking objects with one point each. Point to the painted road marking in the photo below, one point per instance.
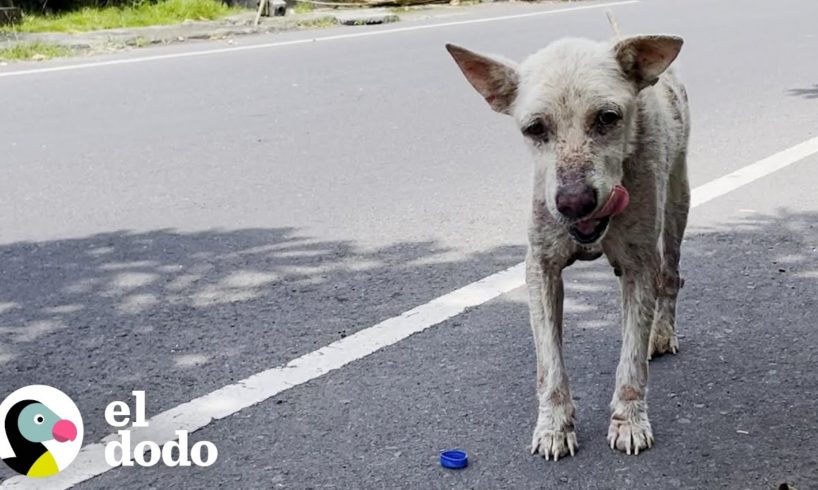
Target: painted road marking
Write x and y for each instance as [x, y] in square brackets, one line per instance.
[145, 59]
[745, 175]
[231, 399]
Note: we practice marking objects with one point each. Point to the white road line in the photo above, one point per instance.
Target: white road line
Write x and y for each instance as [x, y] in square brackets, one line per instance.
[231, 399]
[144, 59]
[745, 175]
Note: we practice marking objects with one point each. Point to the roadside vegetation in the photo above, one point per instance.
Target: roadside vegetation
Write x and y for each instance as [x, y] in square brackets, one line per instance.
[318, 23]
[138, 14]
[32, 51]
[302, 8]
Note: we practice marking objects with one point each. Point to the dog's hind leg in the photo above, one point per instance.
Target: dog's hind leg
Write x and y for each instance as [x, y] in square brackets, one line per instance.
[554, 434]
[663, 333]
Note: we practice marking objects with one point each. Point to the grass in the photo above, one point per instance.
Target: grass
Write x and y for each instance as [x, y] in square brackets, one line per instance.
[302, 8]
[141, 42]
[32, 51]
[141, 14]
[319, 23]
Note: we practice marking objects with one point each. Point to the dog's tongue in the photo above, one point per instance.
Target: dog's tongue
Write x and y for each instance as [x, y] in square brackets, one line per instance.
[616, 203]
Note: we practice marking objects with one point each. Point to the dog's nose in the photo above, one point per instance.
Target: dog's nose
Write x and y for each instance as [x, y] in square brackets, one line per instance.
[576, 200]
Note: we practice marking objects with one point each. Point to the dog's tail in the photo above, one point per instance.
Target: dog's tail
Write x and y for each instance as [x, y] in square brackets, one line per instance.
[614, 25]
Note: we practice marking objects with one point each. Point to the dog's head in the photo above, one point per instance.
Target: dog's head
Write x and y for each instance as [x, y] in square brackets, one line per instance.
[574, 101]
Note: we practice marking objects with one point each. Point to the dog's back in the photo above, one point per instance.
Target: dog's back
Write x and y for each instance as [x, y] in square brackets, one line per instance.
[666, 106]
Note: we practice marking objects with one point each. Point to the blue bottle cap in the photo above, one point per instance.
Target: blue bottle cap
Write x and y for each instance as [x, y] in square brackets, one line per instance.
[454, 459]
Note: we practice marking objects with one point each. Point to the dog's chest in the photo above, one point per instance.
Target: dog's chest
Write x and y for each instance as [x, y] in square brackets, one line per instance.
[584, 253]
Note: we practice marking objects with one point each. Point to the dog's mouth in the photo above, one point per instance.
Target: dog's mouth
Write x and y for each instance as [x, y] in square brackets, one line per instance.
[588, 231]
[591, 229]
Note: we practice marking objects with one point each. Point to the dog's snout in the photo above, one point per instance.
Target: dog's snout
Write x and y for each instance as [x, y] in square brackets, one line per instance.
[576, 200]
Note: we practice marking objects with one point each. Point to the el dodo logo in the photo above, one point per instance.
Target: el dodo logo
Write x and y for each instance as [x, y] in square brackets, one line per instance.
[41, 431]
[146, 452]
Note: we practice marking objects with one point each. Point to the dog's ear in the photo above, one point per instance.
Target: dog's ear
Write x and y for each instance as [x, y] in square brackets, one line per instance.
[496, 80]
[644, 58]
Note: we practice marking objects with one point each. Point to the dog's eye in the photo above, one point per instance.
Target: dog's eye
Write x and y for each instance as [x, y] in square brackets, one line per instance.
[536, 130]
[607, 117]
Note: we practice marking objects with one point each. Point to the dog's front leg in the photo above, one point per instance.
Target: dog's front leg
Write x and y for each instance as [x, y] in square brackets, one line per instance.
[554, 434]
[630, 429]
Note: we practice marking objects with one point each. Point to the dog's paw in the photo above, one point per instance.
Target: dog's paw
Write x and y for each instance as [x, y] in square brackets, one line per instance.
[554, 443]
[630, 434]
[553, 439]
[662, 341]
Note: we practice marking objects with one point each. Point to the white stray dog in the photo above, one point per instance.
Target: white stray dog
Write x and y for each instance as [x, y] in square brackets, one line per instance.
[608, 126]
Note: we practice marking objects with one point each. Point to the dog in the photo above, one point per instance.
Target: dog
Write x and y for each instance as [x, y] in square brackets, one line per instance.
[608, 126]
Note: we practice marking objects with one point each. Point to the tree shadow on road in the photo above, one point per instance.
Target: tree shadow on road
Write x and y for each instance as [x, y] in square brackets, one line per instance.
[734, 409]
[182, 314]
[807, 93]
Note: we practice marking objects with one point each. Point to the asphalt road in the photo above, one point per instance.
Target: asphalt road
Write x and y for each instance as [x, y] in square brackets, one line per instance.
[179, 224]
